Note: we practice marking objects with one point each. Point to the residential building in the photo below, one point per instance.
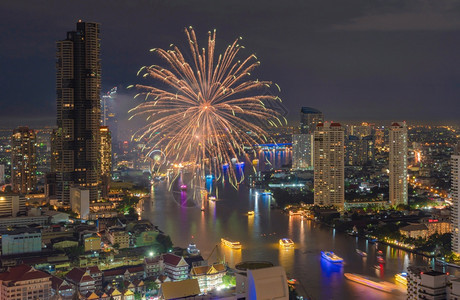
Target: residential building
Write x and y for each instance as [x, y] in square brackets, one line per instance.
[398, 163]
[121, 274]
[362, 130]
[209, 277]
[81, 280]
[105, 153]
[24, 240]
[25, 283]
[92, 243]
[329, 170]
[12, 205]
[79, 201]
[455, 192]
[309, 118]
[78, 86]
[2, 174]
[359, 151]
[118, 236]
[414, 280]
[302, 158]
[153, 266]
[23, 160]
[175, 267]
[61, 288]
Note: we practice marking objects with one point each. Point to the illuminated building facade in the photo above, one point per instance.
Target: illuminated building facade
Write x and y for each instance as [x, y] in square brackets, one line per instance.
[105, 156]
[302, 158]
[23, 160]
[359, 151]
[309, 118]
[398, 163]
[329, 169]
[12, 205]
[78, 86]
[455, 192]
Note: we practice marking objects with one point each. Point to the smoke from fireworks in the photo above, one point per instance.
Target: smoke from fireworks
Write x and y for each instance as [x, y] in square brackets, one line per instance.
[203, 111]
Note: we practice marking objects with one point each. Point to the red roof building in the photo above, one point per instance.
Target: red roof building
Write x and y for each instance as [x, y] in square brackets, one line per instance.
[25, 282]
[81, 280]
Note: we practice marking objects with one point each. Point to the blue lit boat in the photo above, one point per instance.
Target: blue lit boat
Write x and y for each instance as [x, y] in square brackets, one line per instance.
[401, 278]
[330, 256]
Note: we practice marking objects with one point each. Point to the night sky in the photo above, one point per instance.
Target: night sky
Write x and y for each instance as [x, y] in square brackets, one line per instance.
[354, 60]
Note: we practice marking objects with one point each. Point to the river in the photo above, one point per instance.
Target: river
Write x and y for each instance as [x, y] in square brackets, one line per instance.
[175, 214]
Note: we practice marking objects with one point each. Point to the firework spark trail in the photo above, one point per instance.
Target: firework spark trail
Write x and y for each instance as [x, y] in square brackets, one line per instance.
[205, 113]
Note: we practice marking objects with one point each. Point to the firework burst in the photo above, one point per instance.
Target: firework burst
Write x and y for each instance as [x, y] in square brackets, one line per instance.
[204, 110]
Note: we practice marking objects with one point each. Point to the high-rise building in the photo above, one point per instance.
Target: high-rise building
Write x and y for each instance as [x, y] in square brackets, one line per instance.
[329, 170]
[309, 118]
[78, 86]
[302, 158]
[398, 163]
[362, 130]
[2, 174]
[455, 192]
[359, 151]
[23, 160]
[105, 160]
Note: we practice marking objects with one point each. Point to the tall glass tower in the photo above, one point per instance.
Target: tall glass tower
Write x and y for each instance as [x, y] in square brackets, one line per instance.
[78, 88]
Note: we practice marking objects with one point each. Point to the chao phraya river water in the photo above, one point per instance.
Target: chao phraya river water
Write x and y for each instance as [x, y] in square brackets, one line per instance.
[259, 234]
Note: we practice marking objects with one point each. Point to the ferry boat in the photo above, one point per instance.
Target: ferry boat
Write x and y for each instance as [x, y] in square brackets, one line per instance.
[286, 243]
[330, 256]
[401, 278]
[380, 260]
[362, 253]
[192, 249]
[250, 213]
[380, 252]
[230, 244]
[371, 282]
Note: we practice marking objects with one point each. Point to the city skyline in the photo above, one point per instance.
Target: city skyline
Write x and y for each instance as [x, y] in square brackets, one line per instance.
[366, 62]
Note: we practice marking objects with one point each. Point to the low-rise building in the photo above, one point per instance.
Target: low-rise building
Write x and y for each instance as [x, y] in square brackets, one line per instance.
[61, 288]
[25, 283]
[81, 280]
[414, 230]
[209, 277]
[118, 236]
[153, 266]
[175, 267]
[92, 243]
[24, 240]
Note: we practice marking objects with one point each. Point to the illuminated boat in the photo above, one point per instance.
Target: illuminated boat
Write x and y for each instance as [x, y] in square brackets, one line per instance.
[286, 243]
[250, 213]
[380, 260]
[192, 249]
[183, 187]
[371, 282]
[362, 253]
[231, 244]
[330, 256]
[212, 198]
[380, 252]
[401, 278]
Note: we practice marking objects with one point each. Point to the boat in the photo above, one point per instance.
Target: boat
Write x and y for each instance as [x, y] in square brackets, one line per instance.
[371, 282]
[380, 260]
[362, 253]
[380, 252]
[377, 267]
[330, 256]
[286, 243]
[231, 244]
[192, 249]
[401, 278]
[250, 213]
[183, 187]
[212, 198]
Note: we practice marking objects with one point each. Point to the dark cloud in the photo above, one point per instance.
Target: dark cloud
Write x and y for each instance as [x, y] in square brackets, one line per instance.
[383, 59]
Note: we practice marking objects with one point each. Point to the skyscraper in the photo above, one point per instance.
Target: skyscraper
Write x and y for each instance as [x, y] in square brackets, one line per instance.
[23, 160]
[359, 151]
[302, 158]
[105, 156]
[398, 163]
[78, 87]
[329, 170]
[455, 192]
[309, 118]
